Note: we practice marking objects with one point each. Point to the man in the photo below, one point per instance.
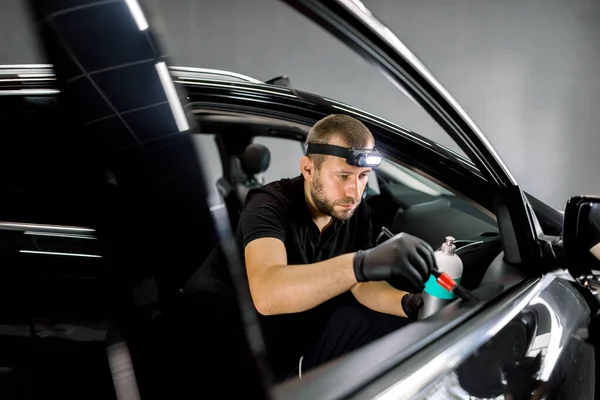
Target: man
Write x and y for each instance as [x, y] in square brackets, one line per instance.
[319, 292]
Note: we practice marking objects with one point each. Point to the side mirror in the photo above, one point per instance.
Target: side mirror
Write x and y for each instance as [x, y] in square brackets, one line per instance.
[581, 236]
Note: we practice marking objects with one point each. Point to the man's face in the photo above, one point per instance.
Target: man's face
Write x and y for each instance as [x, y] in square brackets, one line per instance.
[337, 187]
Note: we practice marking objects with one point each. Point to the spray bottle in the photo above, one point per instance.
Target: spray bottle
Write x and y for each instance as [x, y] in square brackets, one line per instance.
[435, 297]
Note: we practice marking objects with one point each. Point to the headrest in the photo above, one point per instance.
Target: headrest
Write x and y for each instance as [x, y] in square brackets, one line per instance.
[255, 159]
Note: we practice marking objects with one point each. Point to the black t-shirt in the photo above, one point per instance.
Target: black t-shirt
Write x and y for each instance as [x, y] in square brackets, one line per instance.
[279, 210]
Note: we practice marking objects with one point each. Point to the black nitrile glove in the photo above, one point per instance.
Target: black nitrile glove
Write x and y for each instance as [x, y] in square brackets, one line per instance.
[411, 304]
[403, 256]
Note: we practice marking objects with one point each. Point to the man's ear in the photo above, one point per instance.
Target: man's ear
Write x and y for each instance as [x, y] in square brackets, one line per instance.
[307, 167]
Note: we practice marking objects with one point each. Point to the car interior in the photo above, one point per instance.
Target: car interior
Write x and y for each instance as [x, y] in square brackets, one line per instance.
[74, 292]
[256, 152]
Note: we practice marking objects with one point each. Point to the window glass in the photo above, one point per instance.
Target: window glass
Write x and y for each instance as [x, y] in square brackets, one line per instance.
[413, 180]
[285, 157]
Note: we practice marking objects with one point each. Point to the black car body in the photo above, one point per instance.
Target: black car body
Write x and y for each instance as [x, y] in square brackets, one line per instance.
[111, 200]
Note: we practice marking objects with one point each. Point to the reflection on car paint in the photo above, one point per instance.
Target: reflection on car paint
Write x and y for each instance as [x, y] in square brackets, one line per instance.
[559, 315]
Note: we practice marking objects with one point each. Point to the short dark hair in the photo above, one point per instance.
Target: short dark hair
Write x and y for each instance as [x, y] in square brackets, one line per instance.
[354, 132]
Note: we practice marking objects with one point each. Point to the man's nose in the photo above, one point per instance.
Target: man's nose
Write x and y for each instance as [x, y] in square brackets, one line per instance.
[353, 189]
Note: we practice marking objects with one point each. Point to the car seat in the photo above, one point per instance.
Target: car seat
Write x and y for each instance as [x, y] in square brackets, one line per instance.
[254, 162]
[246, 172]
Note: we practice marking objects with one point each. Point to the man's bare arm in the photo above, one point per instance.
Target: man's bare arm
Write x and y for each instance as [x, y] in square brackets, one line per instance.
[278, 288]
[380, 296]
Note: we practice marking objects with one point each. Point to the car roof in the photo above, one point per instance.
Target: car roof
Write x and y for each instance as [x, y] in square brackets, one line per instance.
[33, 78]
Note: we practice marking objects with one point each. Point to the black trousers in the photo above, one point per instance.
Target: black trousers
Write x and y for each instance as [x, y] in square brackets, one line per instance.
[350, 327]
[207, 342]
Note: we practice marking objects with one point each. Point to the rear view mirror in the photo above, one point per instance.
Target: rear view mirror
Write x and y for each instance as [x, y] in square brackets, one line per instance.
[581, 236]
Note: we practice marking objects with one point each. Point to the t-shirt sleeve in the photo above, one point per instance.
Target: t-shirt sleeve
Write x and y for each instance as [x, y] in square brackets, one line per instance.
[263, 217]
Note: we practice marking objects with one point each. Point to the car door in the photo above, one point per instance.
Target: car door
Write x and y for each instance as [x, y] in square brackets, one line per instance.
[110, 166]
[521, 289]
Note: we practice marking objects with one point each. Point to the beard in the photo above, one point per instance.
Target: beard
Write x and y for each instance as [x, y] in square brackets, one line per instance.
[328, 207]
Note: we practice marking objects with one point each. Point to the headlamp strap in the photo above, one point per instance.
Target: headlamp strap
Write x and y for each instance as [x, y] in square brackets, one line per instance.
[327, 149]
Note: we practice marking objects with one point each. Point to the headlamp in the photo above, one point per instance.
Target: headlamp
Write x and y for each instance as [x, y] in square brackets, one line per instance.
[364, 158]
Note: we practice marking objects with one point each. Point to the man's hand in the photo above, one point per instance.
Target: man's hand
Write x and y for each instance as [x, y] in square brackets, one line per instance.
[403, 256]
[411, 304]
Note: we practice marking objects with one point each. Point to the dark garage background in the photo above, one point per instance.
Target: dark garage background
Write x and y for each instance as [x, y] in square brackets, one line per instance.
[526, 71]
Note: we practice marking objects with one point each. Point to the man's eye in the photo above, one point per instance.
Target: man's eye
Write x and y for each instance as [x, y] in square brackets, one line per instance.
[343, 176]
[363, 176]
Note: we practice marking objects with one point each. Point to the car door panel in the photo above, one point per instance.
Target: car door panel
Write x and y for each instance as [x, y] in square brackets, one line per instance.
[521, 343]
[540, 351]
[367, 370]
